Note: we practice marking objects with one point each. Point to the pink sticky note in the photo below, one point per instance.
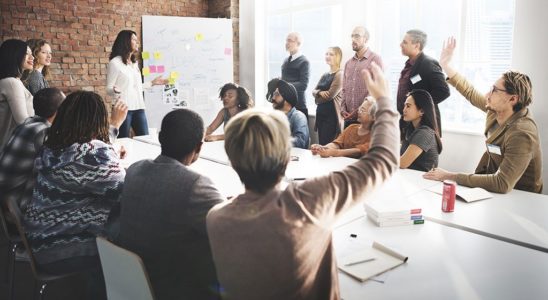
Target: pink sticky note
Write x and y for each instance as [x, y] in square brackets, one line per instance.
[152, 69]
[160, 69]
[228, 51]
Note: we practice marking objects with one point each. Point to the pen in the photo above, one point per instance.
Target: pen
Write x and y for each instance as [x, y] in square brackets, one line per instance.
[359, 262]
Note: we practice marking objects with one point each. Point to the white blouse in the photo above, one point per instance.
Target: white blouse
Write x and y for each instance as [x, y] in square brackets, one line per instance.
[15, 107]
[127, 79]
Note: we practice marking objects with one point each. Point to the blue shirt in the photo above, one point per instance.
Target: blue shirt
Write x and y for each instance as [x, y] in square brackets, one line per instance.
[299, 128]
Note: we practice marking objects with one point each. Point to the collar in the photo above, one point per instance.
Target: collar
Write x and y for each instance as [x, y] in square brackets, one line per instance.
[290, 112]
[296, 55]
[366, 54]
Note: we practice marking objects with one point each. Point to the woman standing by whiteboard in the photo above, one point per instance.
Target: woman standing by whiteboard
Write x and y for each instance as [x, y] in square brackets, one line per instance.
[124, 81]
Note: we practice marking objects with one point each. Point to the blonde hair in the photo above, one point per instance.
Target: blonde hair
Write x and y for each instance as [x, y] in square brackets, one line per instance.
[258, 145]
[338, 55]
[519, 84]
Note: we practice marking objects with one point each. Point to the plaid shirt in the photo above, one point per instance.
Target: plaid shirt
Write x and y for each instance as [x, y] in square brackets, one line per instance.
[17, 173]
[354, 90]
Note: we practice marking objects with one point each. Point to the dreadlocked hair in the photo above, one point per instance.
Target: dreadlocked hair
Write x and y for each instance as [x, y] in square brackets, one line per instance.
[81, 118]
[518, 84]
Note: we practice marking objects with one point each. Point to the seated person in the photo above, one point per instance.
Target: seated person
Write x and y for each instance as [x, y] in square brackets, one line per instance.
[284, 98]
[513, 158]
[235, 99]
[78, 183]
[164, 206]
[421, 144]
[273, 243]
[354, 140]
[17, 160]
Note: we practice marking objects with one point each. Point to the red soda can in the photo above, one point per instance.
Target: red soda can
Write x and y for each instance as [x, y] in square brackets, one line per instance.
[448, 197]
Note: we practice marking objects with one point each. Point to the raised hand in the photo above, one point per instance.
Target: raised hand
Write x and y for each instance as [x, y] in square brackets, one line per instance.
[376, 82]
[446, 56]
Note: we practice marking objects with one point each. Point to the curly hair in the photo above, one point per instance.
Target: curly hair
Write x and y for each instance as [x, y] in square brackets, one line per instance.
[82, 117]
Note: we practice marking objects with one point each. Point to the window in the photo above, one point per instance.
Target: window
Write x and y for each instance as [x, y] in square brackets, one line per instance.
[319, 24]
[483, 28]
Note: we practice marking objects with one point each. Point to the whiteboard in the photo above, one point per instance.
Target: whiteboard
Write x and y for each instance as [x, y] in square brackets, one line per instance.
[196, 53]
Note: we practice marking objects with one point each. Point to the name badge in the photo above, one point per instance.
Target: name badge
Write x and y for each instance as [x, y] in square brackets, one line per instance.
[415, 79]
[494, 149]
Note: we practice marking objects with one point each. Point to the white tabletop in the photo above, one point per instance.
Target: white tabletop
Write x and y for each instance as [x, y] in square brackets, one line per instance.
[517, 217]
[444, 263]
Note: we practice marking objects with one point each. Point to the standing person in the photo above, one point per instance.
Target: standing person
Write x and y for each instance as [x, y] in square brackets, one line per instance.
[355, 139]
[15, 99]
[235, 99]
[78, 184]
[273, 243]
[164, 206]
[284, 98]
[421, 145]
[296, 69]
[354, 89]
[124, 77]
[17, 160]
[327, 96]
[35, 79]
[513, 158]
[420, 72]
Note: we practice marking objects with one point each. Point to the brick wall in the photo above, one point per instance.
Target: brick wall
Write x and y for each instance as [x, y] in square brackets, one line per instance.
[81, 33]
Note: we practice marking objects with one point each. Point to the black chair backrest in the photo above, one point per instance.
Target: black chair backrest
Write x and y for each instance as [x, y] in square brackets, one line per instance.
[16, 213]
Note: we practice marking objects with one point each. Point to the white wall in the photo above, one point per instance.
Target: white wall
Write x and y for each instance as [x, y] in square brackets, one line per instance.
[529, 56]
[461, 152]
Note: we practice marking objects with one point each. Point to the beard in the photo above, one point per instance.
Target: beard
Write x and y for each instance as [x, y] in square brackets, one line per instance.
[278, 105]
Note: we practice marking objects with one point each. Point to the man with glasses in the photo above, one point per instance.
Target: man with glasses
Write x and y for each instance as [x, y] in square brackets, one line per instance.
[283, 96]
[354, 90]
[296, 69]
[420, 72]
[513, 158]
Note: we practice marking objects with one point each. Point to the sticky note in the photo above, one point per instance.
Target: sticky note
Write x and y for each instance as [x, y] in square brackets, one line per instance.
[145, 55]
[157, 55]
[160, 69]
[152, 68]
[146, 71]
[174, 74]
[199, 37]
[171, 80]
[228, 51]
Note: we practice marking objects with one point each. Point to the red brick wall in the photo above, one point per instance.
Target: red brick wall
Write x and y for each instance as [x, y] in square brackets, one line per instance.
[81, 33]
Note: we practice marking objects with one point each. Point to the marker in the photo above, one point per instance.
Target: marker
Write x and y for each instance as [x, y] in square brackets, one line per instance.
[359, 262]
[297, 179]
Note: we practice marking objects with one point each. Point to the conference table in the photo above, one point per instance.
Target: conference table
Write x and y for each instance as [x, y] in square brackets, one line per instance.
[489, 249]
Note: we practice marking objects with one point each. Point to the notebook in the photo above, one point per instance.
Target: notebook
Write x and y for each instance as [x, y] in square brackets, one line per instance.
[370, 262]
[464, 193]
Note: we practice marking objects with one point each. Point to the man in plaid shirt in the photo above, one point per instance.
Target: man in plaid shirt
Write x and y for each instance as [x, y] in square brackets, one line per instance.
[17, 158]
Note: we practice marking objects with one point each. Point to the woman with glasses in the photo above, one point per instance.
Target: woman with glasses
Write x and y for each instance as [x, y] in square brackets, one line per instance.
[15, 99]
[354, 140]
[421, 144]
[327, 97]
[513, 158]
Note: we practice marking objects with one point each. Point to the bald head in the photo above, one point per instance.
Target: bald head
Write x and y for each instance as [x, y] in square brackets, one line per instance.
[360, 36]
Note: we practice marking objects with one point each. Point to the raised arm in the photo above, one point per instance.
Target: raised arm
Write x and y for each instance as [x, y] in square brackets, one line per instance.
[326, 197]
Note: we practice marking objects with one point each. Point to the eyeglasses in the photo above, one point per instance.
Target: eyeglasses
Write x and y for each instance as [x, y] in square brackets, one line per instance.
[496, 89]
[356, 36]
[275, 94]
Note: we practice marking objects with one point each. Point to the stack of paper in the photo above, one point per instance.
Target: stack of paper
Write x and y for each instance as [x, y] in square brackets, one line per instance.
[391, 212]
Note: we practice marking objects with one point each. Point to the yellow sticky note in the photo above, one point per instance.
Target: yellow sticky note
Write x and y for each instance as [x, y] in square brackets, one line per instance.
[145, 55]
[157, 55]
[146, 71]
[171, 80]
[174, 74]
[199, 37]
